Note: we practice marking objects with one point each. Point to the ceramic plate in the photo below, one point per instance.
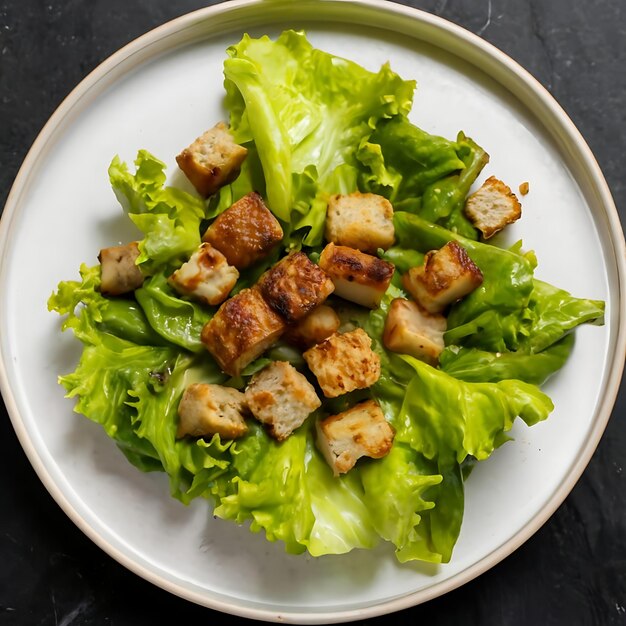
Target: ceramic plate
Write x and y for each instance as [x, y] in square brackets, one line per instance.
[159, 93]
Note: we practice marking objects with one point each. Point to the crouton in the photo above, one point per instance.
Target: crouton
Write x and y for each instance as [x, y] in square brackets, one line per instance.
[207, 277]
[241, 330]
[524, 188]
[492, 207]
[245, 232]
[295, 286]
[447, 275]
[357, 432]
[119, 272]
[360, 220]
[212, 160]
[318, 325]
[281, 398]
[358, 277]
[344, 362]
[209, 409]
[413, 331]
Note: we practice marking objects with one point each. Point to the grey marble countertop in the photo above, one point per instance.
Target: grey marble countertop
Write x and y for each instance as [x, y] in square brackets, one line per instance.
[572, 571]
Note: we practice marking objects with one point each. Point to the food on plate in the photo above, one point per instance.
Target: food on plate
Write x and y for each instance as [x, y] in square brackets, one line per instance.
[212, 160]
[344, 362]
[241, 330]
[281, 398]
[360, 431]
[207, 409]
[359, 277]
[492, 207]
[206, 276]
[295, 286]
[524, 188]
[360, 220]
[119, 272]
[321, 353]
[446, 276]
[246, 232]
[409, 329]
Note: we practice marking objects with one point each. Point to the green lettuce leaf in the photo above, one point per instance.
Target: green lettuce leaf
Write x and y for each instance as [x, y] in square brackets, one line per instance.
[172, 318]
[168, 217]
[474, 365]
[306, 112]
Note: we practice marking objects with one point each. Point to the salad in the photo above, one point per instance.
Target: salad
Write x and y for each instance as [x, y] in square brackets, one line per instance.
[309, 130]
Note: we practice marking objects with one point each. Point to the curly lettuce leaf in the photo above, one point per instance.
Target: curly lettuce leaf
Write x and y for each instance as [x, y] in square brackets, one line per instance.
[306, 112]
[168, 217]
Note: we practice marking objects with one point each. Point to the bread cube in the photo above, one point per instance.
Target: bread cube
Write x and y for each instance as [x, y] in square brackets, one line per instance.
[281, 398]
[492, 207]
[212, 160]
[119, 272]
[355, 433]
[295, 286]
[358, 277]
[317, 326]
[245, 232]
[447, 275]
[241, 330]
[344, 362]
[411, 330]
[360, 220]
[207, 277]
[205, 410]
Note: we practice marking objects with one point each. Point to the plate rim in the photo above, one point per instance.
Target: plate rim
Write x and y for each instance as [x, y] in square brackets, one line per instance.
[510, 69]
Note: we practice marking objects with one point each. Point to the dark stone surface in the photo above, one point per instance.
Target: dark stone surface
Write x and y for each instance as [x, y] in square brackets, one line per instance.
[573, 571]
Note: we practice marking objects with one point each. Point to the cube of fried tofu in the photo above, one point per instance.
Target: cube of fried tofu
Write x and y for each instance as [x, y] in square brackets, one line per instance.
[360, 220]
[447, 275]
[360, 431]
[358, 277]
[317, 326]
[119, 272]
[241, 330]
[207, 277]
[212, 160]
[344, 362]
[492, 207]
[411, 330]
[281, 398]
[295, 286]
[245, 232]
[205, 410]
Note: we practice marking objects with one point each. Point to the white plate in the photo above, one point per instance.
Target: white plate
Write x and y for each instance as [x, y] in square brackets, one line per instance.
[159, 93]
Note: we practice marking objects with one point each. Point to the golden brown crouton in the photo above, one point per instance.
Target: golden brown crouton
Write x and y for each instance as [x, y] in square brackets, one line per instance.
[207, 277]
[212, 160]
[413, 331]
[119, 272]
[245, 232]
[209, 409]
[492, 207]
[281, 398]
[358, 277]
[360, 220]
[357, 432]
[295, 286]
[344, 362]
[318, 325]
[447, 275]
[241, 330]
[524, 188]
